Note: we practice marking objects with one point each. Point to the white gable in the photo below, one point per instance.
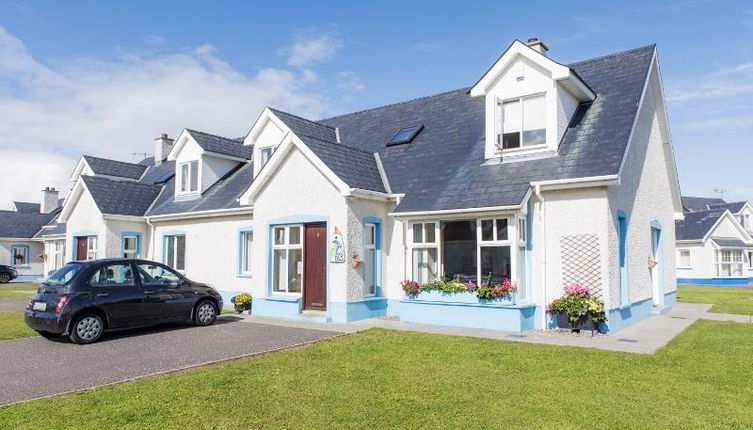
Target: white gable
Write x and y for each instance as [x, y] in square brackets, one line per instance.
[267, 132]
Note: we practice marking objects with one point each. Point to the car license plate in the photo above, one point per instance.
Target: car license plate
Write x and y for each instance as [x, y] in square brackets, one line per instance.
[39, 306]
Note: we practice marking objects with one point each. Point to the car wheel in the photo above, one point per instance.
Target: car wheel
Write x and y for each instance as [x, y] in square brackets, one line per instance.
[48, 335]
[206, 313]
[87, 328]
[4, 278]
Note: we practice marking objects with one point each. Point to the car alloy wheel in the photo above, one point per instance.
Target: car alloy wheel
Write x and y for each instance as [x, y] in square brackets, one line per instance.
[89, 328]
[4, 278]
[206, 313]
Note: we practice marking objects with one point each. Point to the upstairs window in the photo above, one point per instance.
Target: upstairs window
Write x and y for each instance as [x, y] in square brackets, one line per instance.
[189, 177]
[521, 123]
[266, 154]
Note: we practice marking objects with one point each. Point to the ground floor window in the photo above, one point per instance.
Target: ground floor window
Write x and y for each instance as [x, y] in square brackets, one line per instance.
[175, 251]
[750, 260]
[730, 262]
[130, 246]
[247, 238]
[91, 248]
[287, 250]
[370, 262]
[495, 264]
[58, 253]
[684, 258]
[425, 254]
[19, 255]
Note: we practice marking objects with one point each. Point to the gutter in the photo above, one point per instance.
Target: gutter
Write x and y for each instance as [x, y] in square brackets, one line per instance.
[542, 216]
[591, 181]
[201, 214]
[359, 192]
[457, 211]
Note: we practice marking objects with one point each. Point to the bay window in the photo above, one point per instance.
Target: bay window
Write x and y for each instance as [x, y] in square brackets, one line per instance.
[189, 177]
[729, 262]
[287, 249]
[521, 122]
[425, 251]
[175, 251]
[494, 250]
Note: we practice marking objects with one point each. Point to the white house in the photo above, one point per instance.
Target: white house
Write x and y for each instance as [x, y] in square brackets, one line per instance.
[541, 173]
[714, 243]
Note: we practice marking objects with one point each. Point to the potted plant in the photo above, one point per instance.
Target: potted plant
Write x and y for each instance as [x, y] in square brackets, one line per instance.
[578, 309]
[241, 302]
[409, 287]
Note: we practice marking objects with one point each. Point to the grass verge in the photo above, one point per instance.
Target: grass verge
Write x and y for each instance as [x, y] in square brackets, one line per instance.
[12, 326]
[727, 300]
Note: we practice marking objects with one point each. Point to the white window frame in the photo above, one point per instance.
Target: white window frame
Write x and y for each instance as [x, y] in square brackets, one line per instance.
[188, 177]
[680, 252]
[91, 248]
[496, 243]
[58, 256]
[374, 260]
[423, 244]
[247, 242]
[749, 254]
[500, 121]
[722, 261]
[134, 251]
[287, 247]
[271, 149]
[174, 264]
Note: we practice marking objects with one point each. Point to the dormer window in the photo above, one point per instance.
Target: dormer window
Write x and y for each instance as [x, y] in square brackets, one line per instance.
[189, 177]
[521, 122]
[266, 154]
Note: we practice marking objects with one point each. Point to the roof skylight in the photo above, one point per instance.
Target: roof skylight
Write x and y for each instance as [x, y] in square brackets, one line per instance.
[405, 135]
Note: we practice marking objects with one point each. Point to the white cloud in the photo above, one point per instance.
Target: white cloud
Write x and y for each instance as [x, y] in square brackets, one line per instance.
[425, 46]
[349, 82]
[732, 81]
[53, 114]
[309, 48]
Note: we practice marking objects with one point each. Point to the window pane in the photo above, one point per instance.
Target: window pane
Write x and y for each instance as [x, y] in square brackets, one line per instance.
[247, 241]
[369, 235]
[194, 175]
[170, 251]
[459, 250]
[368, 270]
[424, 265]
[152, 273]
[495, 260]
[279, 235]
[278, 281]
[511, 140]
[502, 229]
[184, 177]
[295, 235]
[534, 121]
[418, 233]
[522, 280]
[522, 229]
[430, 232]
[511, 123]
[180, 252]
[113, 275]
[487, 229]
[295, 270]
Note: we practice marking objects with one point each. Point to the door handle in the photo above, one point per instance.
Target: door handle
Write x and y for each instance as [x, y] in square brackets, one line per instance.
[148, 291]
[103, 294]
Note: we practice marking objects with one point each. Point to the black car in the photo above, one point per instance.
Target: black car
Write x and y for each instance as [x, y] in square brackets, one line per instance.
[83, 299]
[7, 274]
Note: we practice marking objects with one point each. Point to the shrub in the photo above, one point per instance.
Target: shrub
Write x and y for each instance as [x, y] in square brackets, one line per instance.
[486, 292]
[578, 301]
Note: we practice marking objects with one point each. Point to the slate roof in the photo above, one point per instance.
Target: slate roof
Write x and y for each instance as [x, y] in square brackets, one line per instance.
[729, 242]
[155, 173]
[696, 204]
[120, 169]
[733, 207]
[221, 145]
[696, 225]
[27, 207]
[304, 127]
[355, 167]
[222, 195]
[53, 227]
[444, 166]
[22, 225]
[121, 197]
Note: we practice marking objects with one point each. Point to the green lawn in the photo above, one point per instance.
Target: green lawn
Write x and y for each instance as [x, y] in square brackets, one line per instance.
[388, 379]
[12, 326]
[728, 300]
[17, 291]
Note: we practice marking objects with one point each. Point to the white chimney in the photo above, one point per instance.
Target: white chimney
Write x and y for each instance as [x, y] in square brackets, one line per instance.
[49, 200]
[537, 45]
[162, 147]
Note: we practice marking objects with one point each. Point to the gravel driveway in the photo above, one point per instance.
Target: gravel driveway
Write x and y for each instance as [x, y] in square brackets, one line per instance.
[37, 367]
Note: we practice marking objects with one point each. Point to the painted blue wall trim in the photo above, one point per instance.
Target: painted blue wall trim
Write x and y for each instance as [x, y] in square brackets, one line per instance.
[353, 311]
[620, 318]
[670, 299]
[528, 270]
[165, 235]
[622, 235]
[515, 318]
[241, 232]
[277, 307]
[32, 277]
[660, 266]
[138, 242]
[74, 244]
[716, 281]
[12, 255]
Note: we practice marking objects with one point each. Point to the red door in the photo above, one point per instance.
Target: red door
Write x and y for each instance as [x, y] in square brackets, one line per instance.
[81, 248]
[315, 267]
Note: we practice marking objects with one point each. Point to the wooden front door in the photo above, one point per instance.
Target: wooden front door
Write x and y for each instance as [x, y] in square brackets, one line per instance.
[315, 267]
[81, 248]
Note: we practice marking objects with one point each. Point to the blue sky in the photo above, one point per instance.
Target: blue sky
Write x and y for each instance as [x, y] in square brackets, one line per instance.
[105, 78]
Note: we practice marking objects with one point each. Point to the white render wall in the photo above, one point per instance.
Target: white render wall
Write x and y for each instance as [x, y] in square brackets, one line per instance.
[644, 194]
[114, 229]
[702, 258]
[212, 246]
[36, 264]
[85, 219]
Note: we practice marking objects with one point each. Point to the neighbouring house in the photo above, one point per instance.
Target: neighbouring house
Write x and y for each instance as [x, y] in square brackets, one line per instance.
[714, 243]
[18, 245]
[541, 173]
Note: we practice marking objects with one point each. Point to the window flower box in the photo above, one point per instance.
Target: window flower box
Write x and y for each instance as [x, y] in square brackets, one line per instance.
[504, 293]
[468, 297]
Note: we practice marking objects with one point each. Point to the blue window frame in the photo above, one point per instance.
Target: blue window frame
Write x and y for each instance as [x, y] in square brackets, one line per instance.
[622, 228]
[174, 251]
[19, 255]
[130, 244]
[372, 250]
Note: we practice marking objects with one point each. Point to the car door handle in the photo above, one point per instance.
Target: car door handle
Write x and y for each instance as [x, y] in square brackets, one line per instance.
[103, 294]
[149, 291]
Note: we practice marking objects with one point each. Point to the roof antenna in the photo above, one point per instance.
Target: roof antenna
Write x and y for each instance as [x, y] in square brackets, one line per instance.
[143, 154]
[721, 192]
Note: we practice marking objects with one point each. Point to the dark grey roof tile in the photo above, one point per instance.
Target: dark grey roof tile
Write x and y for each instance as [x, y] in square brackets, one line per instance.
[121, 197]
[120, 169]
[221, 145]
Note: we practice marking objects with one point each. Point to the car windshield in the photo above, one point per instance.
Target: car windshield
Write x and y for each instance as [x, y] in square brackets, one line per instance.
[63, 275]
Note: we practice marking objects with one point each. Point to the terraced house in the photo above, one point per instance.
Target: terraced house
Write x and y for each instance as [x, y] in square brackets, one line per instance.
[542, 173]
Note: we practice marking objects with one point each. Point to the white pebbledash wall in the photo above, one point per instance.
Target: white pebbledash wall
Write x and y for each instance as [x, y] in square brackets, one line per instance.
[85, 220]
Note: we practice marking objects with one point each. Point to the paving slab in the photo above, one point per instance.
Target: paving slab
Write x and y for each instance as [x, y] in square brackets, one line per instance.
[37, 367]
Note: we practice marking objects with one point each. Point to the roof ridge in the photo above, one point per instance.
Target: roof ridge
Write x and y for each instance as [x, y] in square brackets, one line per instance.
[190, 130]
[614, 54]
[110, 159]
[464, 89]
[301, 118]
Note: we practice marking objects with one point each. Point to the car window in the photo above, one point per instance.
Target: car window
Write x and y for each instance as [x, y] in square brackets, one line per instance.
[113, 275]
[154, 274]
[63, 275]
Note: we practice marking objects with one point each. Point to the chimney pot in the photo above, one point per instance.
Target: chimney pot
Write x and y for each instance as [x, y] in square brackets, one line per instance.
[537, 45]
[49, 200]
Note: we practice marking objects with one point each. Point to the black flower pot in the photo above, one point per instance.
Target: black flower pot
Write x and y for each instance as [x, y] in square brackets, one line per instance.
[585, 322]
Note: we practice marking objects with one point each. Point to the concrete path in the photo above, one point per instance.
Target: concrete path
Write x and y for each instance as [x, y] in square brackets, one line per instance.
[36, 367]
[644, 337]
[10, 305]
